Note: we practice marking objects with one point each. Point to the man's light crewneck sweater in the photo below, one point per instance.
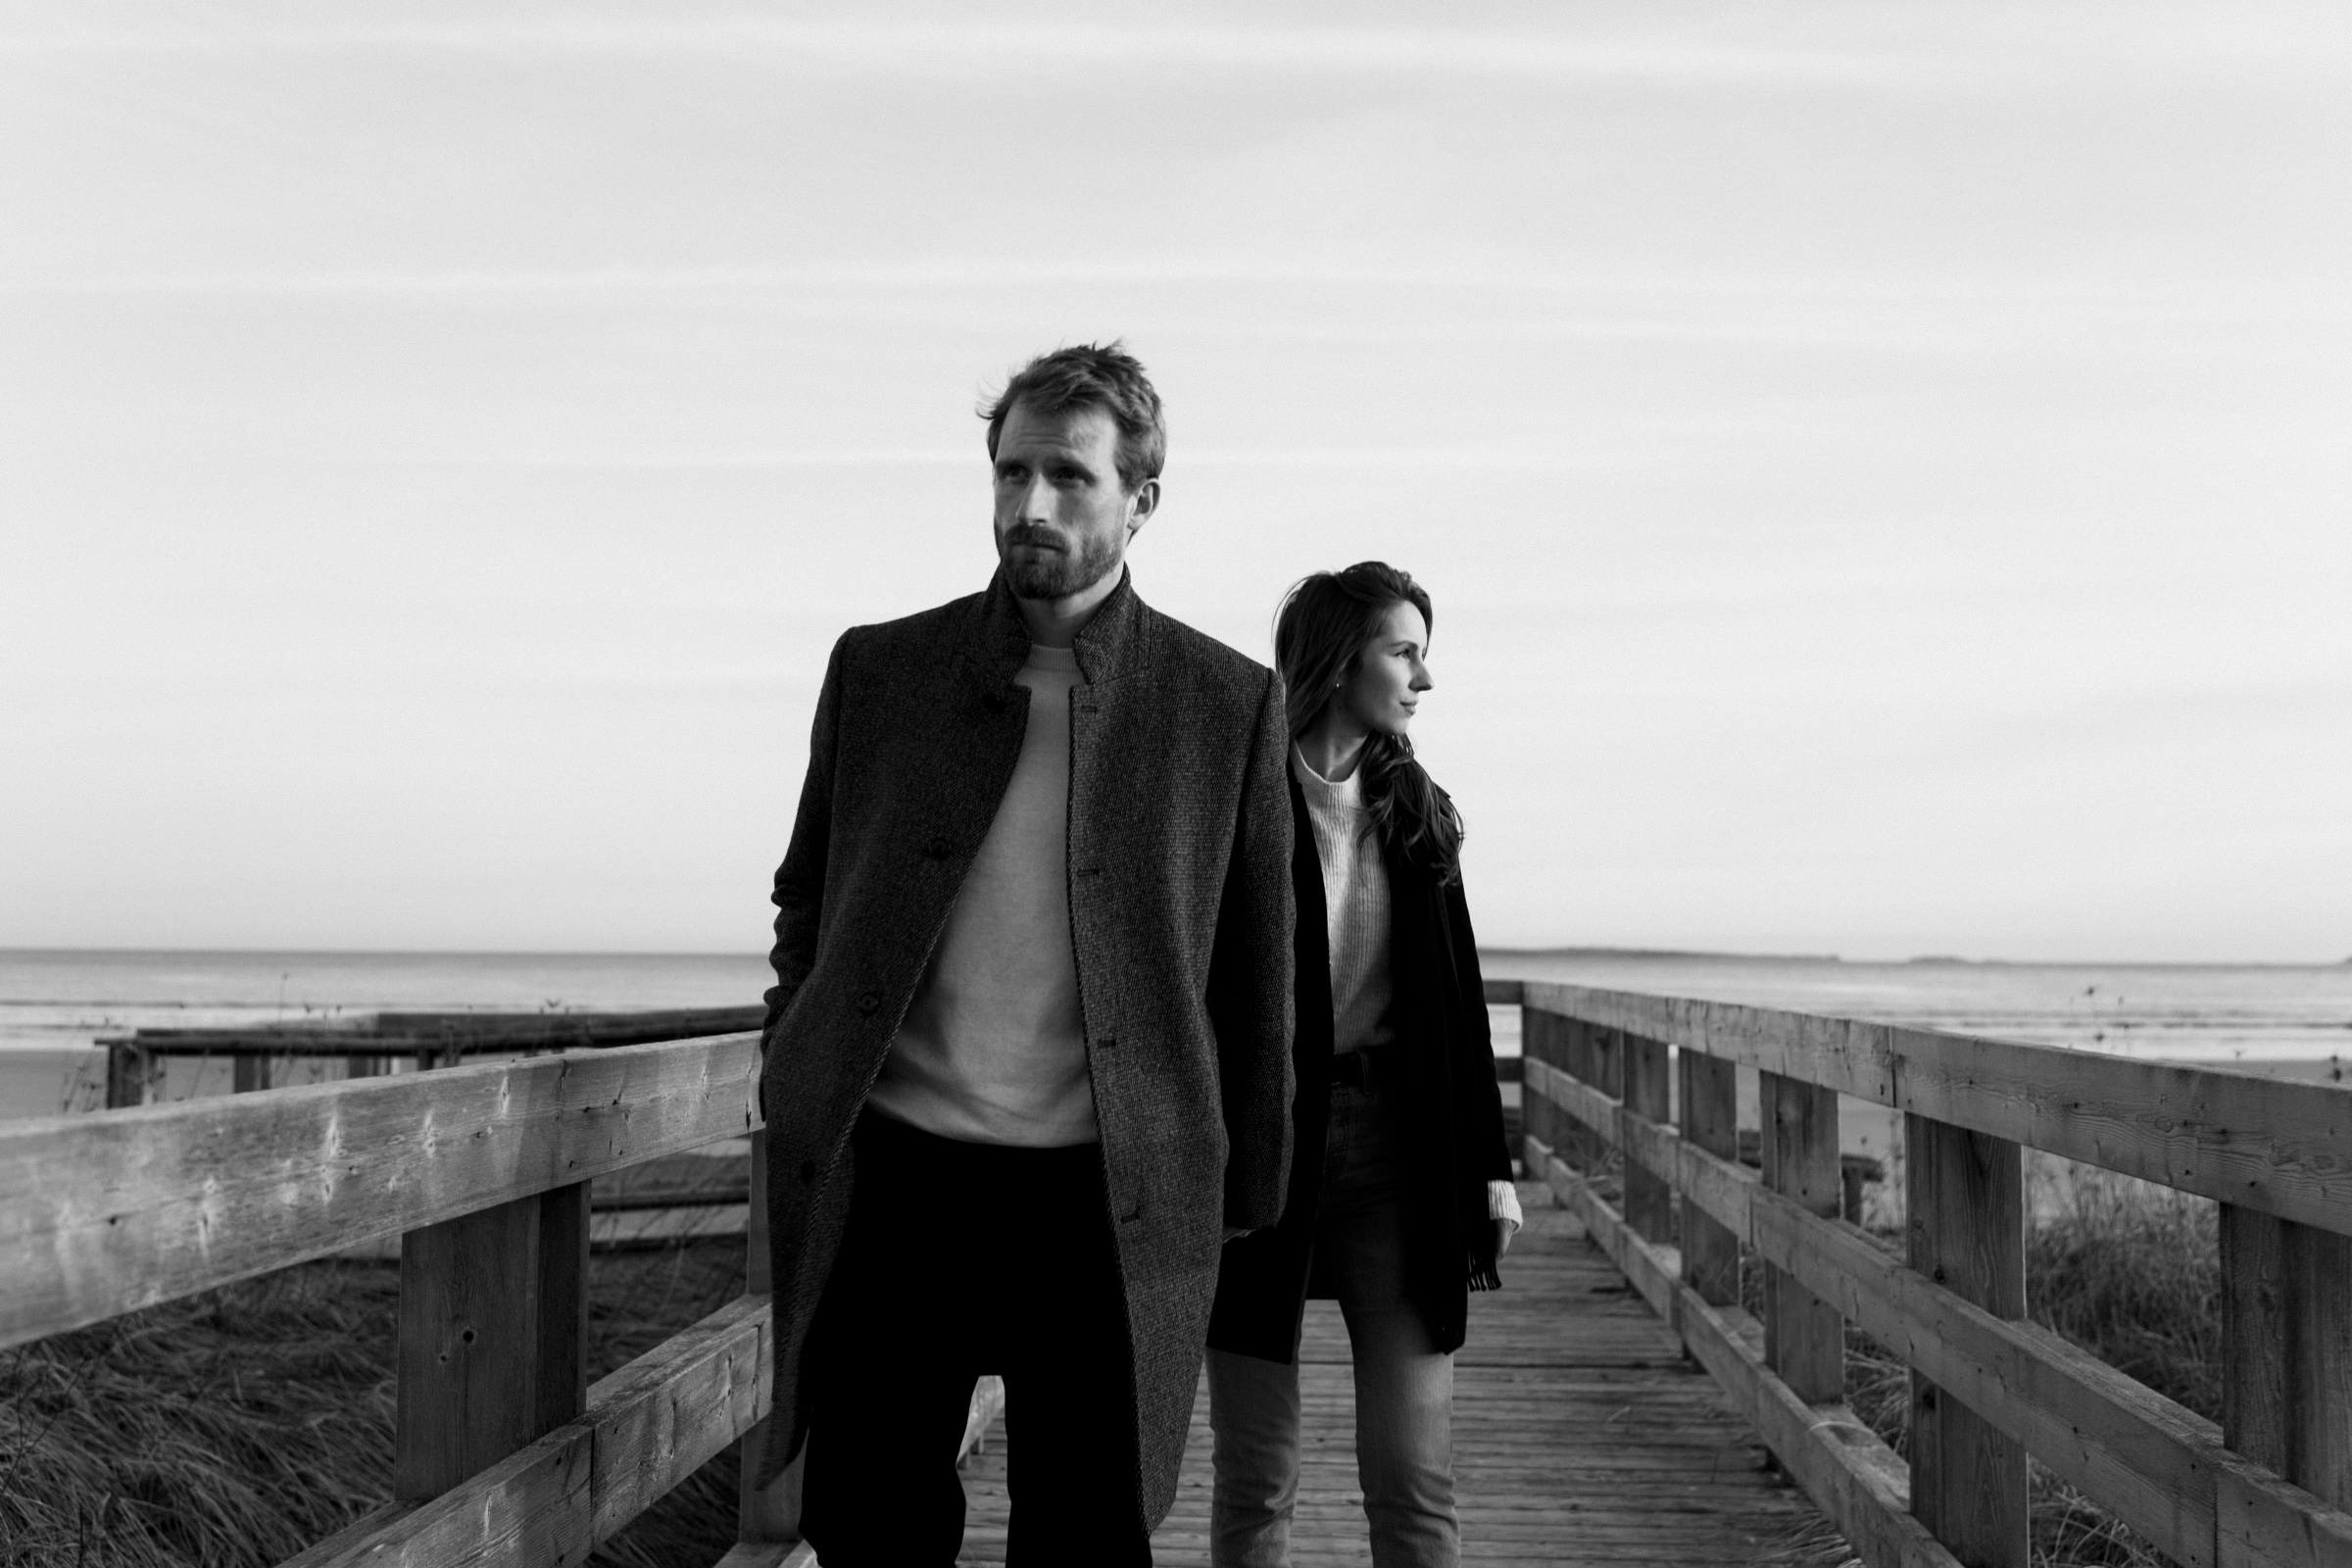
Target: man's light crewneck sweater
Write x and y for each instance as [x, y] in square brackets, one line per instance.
[992, 1047]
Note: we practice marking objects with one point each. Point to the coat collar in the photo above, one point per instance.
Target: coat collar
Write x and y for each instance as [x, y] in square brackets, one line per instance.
[1108, 645]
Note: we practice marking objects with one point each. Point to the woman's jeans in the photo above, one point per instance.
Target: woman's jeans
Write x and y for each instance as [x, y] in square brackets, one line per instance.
[1403, 1385]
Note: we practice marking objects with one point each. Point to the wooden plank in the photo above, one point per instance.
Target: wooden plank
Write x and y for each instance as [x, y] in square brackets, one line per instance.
[126, 1073]
[1539, 1047]
[2149, 1461]
[102, 1214]
[1594, 1112]
[1804, 1339]
[667, 1414]
[437, 1034]
[249, 1071]
[648, 1426]
[769, 1513]
[1967, 1232]
[1849, 1474]
[1582, 1435]
[1647, 1106]
[769, 1554]
[362, 1529]
[1505, 993]
[1711, 1123]
[2275, 1145]
[2286, 1331]
[493, 1337]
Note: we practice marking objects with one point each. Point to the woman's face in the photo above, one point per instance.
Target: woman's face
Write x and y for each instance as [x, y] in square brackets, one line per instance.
[1390, 676]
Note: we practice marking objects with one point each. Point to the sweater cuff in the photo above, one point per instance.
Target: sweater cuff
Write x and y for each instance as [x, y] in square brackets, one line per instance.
[1503, 1203]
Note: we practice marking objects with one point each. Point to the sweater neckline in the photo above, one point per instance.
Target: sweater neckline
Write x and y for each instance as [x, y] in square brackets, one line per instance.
[1345, 795]
[1040, 657]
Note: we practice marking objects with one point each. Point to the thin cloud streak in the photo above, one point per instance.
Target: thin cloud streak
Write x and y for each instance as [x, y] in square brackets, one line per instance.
[2091, 42]
[971, 50]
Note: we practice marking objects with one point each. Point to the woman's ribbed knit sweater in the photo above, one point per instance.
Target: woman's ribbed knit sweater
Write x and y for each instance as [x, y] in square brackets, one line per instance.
[1356, 919]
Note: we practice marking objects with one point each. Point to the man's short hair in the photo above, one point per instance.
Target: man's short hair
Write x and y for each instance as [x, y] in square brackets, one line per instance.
[1092, 375]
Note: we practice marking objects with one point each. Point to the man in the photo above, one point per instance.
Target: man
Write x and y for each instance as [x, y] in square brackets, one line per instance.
[1028, 1051]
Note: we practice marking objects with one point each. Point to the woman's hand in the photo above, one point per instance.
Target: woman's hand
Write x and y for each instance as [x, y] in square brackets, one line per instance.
[1504, 1230]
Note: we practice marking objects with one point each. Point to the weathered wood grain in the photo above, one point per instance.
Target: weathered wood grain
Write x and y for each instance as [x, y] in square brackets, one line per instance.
[2281, 1147]
[1582, 1434]
[1967, 1232]
[101, 1214]
[2286, 1331]
[1647, 1104]
[1804, 1339]
[648, 1426]
[1709, 1123]
[2154, 1464]
[493, 1337]
[1849, 1474]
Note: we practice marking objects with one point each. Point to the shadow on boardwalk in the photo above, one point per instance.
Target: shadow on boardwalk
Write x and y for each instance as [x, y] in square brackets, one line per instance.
[1582, 1436]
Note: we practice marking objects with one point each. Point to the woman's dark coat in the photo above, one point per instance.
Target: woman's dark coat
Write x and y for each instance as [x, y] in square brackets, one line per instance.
[1453, 1131]
[1180, 916]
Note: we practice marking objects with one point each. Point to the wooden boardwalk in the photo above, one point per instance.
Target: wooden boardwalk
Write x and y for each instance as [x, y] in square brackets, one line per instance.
[1582, 1436]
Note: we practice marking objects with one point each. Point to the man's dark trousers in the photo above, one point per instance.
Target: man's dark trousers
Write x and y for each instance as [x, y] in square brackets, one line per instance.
[962, 1259]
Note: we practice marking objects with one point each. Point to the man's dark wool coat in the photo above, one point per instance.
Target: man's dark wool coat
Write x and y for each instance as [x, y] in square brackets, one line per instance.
[1453, 1133]
[1180, 921]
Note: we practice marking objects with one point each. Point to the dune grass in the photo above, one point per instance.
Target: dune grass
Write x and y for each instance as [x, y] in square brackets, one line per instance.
[235, 1428]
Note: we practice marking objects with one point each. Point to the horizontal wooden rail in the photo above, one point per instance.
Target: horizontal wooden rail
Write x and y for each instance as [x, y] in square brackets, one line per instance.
[2167, 1472]
[102, 1214]
[2158, 1466]
[2279, 1147]
[396, 1033]
[366, 1043]
[648, 1427]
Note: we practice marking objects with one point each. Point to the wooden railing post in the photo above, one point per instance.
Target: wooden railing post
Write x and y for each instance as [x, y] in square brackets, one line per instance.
[1965, 1196]
[1577, 1146]
[249, 1070]
[1648, 1197]
[2287, 1350]
[1710, 1120]
[125, 1076]
[1804, 1339]
[493, 1337]
[771, 1513]
[1599, 1069]
[1537, 1117]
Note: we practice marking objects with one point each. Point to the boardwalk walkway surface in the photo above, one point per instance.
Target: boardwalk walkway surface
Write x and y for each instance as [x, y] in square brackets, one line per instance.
[1582, 1436]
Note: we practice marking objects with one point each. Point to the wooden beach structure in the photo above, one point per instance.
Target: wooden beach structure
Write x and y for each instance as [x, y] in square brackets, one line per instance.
[1615, 1403]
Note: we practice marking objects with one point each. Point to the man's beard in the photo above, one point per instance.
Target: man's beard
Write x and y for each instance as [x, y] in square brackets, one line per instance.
[1057, 573]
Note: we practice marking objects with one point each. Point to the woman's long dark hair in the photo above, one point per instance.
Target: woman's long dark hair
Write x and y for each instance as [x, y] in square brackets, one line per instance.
[1319, 633]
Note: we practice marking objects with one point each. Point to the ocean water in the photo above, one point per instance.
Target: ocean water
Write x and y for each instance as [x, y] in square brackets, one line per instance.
[54, 1004]
[2290, 1019]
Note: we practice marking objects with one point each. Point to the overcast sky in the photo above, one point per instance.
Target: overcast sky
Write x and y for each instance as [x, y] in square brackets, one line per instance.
[1883, 470]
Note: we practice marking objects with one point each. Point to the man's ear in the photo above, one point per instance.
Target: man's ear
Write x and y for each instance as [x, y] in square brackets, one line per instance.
[1141, 506]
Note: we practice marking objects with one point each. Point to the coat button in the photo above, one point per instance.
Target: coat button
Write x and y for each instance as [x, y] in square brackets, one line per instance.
[938, 848]
[869, 1002]
[807, 1171]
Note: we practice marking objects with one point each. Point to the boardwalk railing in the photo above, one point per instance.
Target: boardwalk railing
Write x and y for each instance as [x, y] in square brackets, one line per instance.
[503, 1452]
[366, 1046]
[2268, 1485]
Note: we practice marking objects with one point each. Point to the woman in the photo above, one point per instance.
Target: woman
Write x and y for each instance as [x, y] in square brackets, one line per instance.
[1400, 1197]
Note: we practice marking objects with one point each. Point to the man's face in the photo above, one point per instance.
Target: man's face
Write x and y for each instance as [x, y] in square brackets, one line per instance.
[1062, 517]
